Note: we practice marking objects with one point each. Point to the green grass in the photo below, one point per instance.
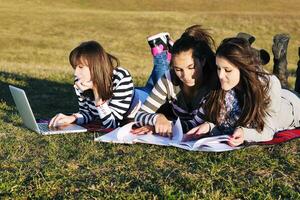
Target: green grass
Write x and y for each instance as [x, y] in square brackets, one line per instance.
[36, 37]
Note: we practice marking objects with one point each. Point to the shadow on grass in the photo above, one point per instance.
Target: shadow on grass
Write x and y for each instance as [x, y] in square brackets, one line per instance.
[45, 97]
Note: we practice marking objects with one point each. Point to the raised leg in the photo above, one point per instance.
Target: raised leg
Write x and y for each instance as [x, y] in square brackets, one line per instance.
[297, 83]
[279, 49]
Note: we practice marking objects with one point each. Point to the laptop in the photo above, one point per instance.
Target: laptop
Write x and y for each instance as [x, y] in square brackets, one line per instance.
[29, 121]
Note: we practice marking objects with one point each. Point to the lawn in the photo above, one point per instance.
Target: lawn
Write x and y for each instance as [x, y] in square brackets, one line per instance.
[36, 37]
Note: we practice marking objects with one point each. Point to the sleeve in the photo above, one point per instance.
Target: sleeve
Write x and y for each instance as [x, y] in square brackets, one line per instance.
[196, 121]
[252, 135]
[112, 111]
[158, 96]
[84, 115]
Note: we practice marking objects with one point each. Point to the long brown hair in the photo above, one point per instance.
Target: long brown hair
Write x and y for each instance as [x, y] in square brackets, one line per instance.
[100, 63]
[201, 43]
[252, 89]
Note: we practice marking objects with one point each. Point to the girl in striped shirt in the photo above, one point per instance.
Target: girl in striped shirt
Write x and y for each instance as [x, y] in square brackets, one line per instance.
[191, 76]
[103, 88]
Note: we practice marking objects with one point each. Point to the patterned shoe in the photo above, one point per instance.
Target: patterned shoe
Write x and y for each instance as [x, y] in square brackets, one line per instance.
[280, 44]
[159, 43]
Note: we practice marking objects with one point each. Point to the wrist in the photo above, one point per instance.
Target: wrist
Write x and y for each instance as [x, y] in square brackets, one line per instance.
[161, 116]
[75, 117]
[99, 102]
[209, 127]
[158, 118]
[239, 127]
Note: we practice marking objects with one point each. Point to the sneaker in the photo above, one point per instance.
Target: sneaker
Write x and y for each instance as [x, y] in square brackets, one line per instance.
[159, 43]
[280, 44]
[160, 38]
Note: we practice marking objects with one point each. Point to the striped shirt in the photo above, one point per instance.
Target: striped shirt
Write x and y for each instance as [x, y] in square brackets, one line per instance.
[112, 112]
[165, 91]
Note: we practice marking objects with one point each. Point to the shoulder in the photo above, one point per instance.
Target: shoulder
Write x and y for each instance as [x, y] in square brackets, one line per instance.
[274, 82]
[274, 79]
[121, 72]
[121, 79]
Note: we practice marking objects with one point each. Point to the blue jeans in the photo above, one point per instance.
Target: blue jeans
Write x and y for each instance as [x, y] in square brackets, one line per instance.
[161, 65]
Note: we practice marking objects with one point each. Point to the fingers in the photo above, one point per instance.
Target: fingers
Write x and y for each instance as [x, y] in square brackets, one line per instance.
[164, 130]
[57, 120]
[192, 131]
[139, 131]
[84, 85]
[196, 131]
[234, 142]
[53, 120]
[142, 130]
[237, 138]
[80, 86]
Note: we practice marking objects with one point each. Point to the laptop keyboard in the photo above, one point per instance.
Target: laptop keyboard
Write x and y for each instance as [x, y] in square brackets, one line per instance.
[45, 128]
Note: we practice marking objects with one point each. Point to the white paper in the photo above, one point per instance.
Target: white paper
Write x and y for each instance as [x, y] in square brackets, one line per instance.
[109, 137]
[177, 133]
[124, 135]
[215, 144]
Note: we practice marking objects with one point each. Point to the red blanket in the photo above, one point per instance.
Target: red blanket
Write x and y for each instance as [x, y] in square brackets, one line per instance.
[283, 136]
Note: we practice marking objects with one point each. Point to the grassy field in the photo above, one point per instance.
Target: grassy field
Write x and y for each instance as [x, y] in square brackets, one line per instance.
[36, 37]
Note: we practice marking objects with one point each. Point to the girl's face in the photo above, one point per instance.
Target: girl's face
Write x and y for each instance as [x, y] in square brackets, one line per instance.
[229, 74]
[82, 71]
[184, 68]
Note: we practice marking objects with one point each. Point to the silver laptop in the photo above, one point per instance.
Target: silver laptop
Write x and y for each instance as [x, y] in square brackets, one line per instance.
[28, 118]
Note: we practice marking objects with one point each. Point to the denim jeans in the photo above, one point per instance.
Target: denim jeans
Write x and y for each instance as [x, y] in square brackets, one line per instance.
[161, 65]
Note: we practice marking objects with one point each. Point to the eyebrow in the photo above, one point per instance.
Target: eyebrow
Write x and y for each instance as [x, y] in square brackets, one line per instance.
[223, 67]
[184, 66]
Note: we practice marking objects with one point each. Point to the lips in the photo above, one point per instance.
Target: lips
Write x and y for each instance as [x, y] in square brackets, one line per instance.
[188, 82]
[222, 82]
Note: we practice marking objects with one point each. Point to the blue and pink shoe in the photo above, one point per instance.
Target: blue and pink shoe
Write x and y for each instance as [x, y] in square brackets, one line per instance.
[159, 43]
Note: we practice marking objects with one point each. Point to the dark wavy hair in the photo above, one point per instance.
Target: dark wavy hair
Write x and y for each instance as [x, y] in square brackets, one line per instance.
[201, 43]
[100, 63]
[252, 89]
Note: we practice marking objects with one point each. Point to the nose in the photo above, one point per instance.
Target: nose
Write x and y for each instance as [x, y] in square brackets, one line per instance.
[76, 72]
[186, 75]
[221, 74]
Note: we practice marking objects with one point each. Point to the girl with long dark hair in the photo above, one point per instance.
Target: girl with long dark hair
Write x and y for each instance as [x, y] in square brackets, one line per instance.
[249, 103]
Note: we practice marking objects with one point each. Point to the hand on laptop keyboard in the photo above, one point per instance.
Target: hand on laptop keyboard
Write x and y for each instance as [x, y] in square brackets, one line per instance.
[61, 119]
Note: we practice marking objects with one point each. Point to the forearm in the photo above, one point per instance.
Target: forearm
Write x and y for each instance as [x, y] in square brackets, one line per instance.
[252, 135]
[107, 116]
[144, 118]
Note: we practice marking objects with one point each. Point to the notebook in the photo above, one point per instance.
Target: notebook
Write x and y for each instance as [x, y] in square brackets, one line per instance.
[29, 120]
[123, 135]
